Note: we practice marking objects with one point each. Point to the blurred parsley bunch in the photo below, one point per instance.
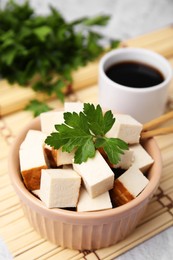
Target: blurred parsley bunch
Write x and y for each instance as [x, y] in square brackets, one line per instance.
[33, 49]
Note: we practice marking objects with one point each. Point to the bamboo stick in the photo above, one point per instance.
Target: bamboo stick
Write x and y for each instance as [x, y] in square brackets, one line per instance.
[167, 186]
[167, 172]
[167, 155]
[159, 131]
[27, 240]
[4, 181]
[157, 121]
[38, 248]
[8, 203]
[51, 253]
[151, 37]
[164, 142]
[17, 213]
[6, 193]
[164, 48]
[88, 95]
[158, 43]
[148, 128]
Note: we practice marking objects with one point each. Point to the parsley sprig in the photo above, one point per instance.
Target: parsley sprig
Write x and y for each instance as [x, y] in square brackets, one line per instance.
[85, 133]
[35, 49]
[37, 107]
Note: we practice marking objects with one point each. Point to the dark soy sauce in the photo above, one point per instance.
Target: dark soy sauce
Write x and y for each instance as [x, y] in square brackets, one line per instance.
[134, 74]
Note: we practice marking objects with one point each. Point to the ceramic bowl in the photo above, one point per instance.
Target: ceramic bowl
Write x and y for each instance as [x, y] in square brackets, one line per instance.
[89, 230]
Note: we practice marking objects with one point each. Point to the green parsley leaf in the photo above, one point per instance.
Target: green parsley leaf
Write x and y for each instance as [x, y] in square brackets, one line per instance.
[37, 107]
[99, 124]
[85, 132]
[114, 43]
[85, 151]
[98, 20]
[42, 32]
[110, 145]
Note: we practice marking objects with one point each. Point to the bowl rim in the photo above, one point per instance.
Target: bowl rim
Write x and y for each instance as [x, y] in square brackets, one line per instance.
[38, 205]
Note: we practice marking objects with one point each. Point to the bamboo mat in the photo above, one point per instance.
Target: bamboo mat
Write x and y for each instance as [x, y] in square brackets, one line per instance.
[22, 241]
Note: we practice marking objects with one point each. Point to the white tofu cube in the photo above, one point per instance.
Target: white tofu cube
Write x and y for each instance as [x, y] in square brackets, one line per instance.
[73, 107]
[60, 188]
[128, 186]
[31, 158]
[48, 121]
[126, 128]
[33, 138]
[96, 174]
[62, 158]
[86, 203]
[142, 159]
[57, 157]
[126, 160]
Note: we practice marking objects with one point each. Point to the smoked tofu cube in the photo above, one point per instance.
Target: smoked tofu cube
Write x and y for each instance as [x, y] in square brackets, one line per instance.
[50, 156]
[86, 203]
[126, 128]
[128, 186]
[96, 174]
[32, 158]
[142, 159]
[36, 193]
[32, 161]
[48, 121]
[126, 160]
[73, 107]
[60, 188]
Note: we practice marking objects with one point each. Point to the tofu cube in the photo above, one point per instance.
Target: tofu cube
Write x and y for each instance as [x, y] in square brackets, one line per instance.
[73, 107]
[86, 203]
[48, 121]
[32, 161]
[57, 158]
[62, 158]
[50, 156]
[36, 193]
[33, 138]
[128, 186]
[126, 128]
[96, 174]
[126, 160]
[142, 159]
[60, 188]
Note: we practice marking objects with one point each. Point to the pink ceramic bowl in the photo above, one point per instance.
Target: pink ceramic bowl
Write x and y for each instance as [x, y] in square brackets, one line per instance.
[90, 230]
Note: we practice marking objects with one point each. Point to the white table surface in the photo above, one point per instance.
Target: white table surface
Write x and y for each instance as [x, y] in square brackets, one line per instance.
[129, 18]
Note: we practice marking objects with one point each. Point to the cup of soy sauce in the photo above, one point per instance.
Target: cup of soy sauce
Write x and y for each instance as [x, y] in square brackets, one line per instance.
[134, 81]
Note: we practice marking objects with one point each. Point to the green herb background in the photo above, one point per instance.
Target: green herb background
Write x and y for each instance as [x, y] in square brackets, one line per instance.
[33, 49]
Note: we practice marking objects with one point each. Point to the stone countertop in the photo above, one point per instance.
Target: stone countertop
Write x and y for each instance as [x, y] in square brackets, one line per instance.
[129, 18]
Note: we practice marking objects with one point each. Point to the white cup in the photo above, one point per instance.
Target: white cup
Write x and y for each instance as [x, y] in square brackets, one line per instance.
[144, 104]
